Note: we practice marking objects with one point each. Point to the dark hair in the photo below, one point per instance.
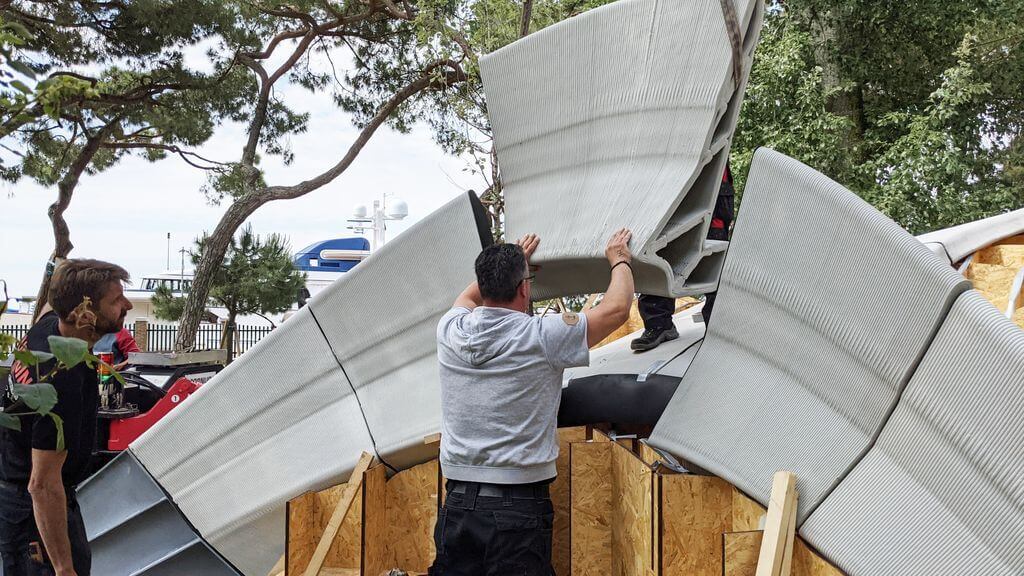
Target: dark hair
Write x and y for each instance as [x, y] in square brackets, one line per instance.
[76, 279]
[499, 270]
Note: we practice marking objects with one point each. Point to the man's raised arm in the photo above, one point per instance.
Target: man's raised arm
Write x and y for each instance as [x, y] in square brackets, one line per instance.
[613, 311]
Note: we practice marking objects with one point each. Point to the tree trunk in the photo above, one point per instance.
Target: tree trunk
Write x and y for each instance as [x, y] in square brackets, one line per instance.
[213, 256]
[216, 248]
[846, 95]
[62, 245]
[227, 339]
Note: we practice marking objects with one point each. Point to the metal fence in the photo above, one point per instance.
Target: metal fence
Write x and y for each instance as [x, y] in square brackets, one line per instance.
[161, 337]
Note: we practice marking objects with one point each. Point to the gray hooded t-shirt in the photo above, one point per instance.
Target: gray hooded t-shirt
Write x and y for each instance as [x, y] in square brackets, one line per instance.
[501, 383]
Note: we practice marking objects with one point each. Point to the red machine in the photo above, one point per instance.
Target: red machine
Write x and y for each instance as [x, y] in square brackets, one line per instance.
[155, 384]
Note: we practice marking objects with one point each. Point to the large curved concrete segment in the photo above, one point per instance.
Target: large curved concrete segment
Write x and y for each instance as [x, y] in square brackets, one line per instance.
[381, 324]
[941, 491]
[959, 242]
[288, 415]
[134, 529]
[795, 374]
[620, 117]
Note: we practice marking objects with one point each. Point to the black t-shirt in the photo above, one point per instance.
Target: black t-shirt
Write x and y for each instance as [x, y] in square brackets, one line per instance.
[77, 403]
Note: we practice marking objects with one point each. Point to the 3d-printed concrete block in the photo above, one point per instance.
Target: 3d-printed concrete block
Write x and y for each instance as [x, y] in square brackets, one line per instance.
[941, 492]
[824, 309]
[620, 117]
[354, 370]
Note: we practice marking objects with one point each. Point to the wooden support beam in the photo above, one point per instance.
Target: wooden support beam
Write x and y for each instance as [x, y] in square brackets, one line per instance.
[338, 515]
[787, 558]
[777, 525]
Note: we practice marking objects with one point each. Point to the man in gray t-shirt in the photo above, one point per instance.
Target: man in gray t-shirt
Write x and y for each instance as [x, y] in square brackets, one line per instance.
[501, 382]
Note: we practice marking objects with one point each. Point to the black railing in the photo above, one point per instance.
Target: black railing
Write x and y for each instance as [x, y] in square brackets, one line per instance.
[161, 337]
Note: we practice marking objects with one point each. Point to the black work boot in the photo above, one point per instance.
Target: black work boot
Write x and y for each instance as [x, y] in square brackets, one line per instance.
[652, 337]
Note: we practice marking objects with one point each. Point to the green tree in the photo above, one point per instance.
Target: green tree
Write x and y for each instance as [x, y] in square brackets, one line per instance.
[401, 51]
[102, 80]
[915, 106]
[256, 276]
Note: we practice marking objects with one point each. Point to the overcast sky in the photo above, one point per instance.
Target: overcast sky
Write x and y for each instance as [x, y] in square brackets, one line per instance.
[124, 214]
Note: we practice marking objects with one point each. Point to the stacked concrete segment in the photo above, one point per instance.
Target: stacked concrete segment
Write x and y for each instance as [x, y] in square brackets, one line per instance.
[353, 371]
[620, 117]
[824, 309]
[942, 492]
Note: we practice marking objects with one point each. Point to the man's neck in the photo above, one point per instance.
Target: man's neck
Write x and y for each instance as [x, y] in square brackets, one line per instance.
[68, 330]
[513, 305]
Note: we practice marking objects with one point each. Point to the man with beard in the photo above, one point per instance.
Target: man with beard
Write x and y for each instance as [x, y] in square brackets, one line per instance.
[38, 469]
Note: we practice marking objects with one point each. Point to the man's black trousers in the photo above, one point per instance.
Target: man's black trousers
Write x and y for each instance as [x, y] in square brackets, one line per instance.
[19, 536]
[507, 535]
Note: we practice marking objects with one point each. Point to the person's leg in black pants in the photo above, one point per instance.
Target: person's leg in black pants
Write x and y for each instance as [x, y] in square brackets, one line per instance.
[656, 312]
[493, 536]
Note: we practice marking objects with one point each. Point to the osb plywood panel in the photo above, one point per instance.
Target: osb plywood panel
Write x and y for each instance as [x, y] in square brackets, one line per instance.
[1009, 252]
[591, 501]
[993, 281]
[747, 514]
[411, 514]
[696, 511]
[308, 515]
[741, 550]
[632, 514]
[560, 499]
[375, 522]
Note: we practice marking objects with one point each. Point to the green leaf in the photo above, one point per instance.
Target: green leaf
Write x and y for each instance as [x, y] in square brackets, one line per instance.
[32, 357]
[69, 351]
[58, 423]
[25, 357]
[10, 422]
[22, 68]
[21, 87]
[39, 397]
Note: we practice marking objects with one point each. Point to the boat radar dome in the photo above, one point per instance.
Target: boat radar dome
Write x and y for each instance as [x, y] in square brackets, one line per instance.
[360, 211]
[398, 209]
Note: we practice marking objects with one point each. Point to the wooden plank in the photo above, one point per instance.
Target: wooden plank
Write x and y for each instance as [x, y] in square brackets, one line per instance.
[632, 514]
[773, 545]
[787, 556]
[301, 532]
[740, 552]
[560, 500]
[747, 513]
[411, 514]
[808, 563]
[648, 454]
[696, 511]
[590, 494]
[374, 553]
[338, 515]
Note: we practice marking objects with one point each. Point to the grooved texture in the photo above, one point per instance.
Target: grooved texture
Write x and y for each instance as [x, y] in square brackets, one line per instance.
[381, 323]
[278, 421]
[794, 373]
[942, 492]
[283, 419]
[961, 241]
[619, 117]
[133, 529]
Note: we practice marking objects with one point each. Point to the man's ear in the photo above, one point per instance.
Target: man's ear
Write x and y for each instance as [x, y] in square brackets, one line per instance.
[521, 289]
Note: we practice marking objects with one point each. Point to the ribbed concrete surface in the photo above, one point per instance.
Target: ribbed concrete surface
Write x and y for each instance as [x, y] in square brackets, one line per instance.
[942, 492]
[621, 116]
[796, 373]
[277, 422]
[283, 419]
[381, 323]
